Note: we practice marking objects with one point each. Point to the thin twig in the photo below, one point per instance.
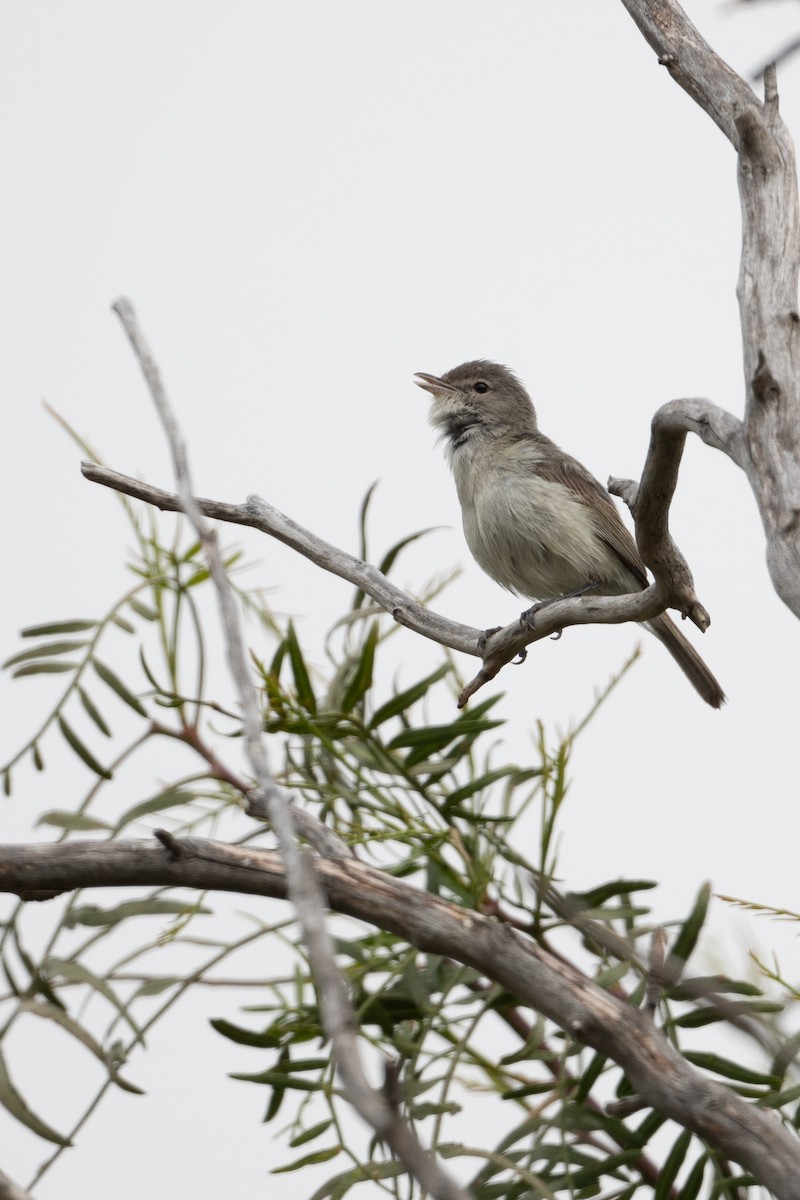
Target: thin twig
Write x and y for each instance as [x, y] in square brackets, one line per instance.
[496, 650]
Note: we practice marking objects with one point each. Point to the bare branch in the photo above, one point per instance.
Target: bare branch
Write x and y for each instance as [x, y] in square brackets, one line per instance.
[649, 501]
[499, 649]
[769, 447]
[691, 62]
[659, 1076]
[10, 1191]
[338, 1017]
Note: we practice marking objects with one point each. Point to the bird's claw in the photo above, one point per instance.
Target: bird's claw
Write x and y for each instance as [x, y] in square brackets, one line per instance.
[483, 639]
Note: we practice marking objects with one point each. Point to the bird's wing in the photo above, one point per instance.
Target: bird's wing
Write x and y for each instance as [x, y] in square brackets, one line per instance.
[566, 470]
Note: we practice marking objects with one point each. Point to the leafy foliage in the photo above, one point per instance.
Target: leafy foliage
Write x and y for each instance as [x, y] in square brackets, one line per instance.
[422, 795]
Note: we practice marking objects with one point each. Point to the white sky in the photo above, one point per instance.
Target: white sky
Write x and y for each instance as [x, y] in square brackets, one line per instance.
[307, 203]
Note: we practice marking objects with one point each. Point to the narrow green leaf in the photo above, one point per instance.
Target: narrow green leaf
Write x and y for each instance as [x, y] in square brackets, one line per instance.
[308, 1135]
[361, 681]
[43, 668]
[672, 1164]
[245, 1037]
[48, 650]
[781, 1098]
[319, 1156]
[389, 558]
[154, 987]
[337, 1187]
[155, 906]
[6, 782]
[38, 761]
[76, 972]
[731, 1070]
[281, 1079]
[275, 1102]
[694, 1179]
[91, 709]
[169, 798]
[115, 683]
[689, 932]
[436, 737]
[598, 896]
[145, 611]
[404, 700]
[590, 1077]
[80, 822]
[13, 1102]
[122, 623]
[302, 682]
[52, 1012]
[81, 750]
[476, 785]
[701, 985]
[57, 627]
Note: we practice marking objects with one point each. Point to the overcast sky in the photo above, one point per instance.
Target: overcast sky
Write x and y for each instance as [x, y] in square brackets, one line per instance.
[307, 203]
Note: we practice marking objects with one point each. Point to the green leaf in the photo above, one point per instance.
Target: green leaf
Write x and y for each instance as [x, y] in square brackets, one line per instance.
[404, 700]
[13, 1102]
[361, 681]
[780, 1098]
[598, 896]
[154, 987]
[673, 1163]
[145, 611]
[169, 798]
[80, 822]
[590, 1077]
[122, 623]
[57, 627]
[319, 1156]
[76, 972]
[81, 750]
[730, 1070]
[436, 737]
[689, 932]
[281, 1079]
[115, 683]
[244, 1037]
[48, 650]
[476, 785]
[38, 761]
[694, 1179]
[52, 1012]
[302, 682]
[308, 1135]
[96, 917]
[93, 712]
[43, 668]
[337, 1187]
[388, 560]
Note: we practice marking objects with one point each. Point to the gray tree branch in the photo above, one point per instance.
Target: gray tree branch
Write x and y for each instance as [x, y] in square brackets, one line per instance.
[10, 1190]
[768, 450]
[659, 1076]
[500, 648]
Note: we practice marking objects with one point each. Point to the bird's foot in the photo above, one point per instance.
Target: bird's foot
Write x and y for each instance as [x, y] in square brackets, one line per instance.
[487, 633]
[528, 619]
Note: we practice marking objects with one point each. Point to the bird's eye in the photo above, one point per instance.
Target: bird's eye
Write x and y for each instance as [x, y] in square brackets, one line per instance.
[481, 387]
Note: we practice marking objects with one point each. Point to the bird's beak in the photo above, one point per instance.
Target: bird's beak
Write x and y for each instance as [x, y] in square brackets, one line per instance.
[432, 383]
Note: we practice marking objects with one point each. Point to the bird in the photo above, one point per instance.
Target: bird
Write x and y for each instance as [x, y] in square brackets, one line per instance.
[535, 519]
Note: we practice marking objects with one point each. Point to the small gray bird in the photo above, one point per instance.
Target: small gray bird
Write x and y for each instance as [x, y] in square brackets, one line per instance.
[534, 518]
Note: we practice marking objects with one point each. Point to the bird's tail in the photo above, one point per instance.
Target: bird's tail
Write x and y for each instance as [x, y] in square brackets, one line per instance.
[688, 660]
